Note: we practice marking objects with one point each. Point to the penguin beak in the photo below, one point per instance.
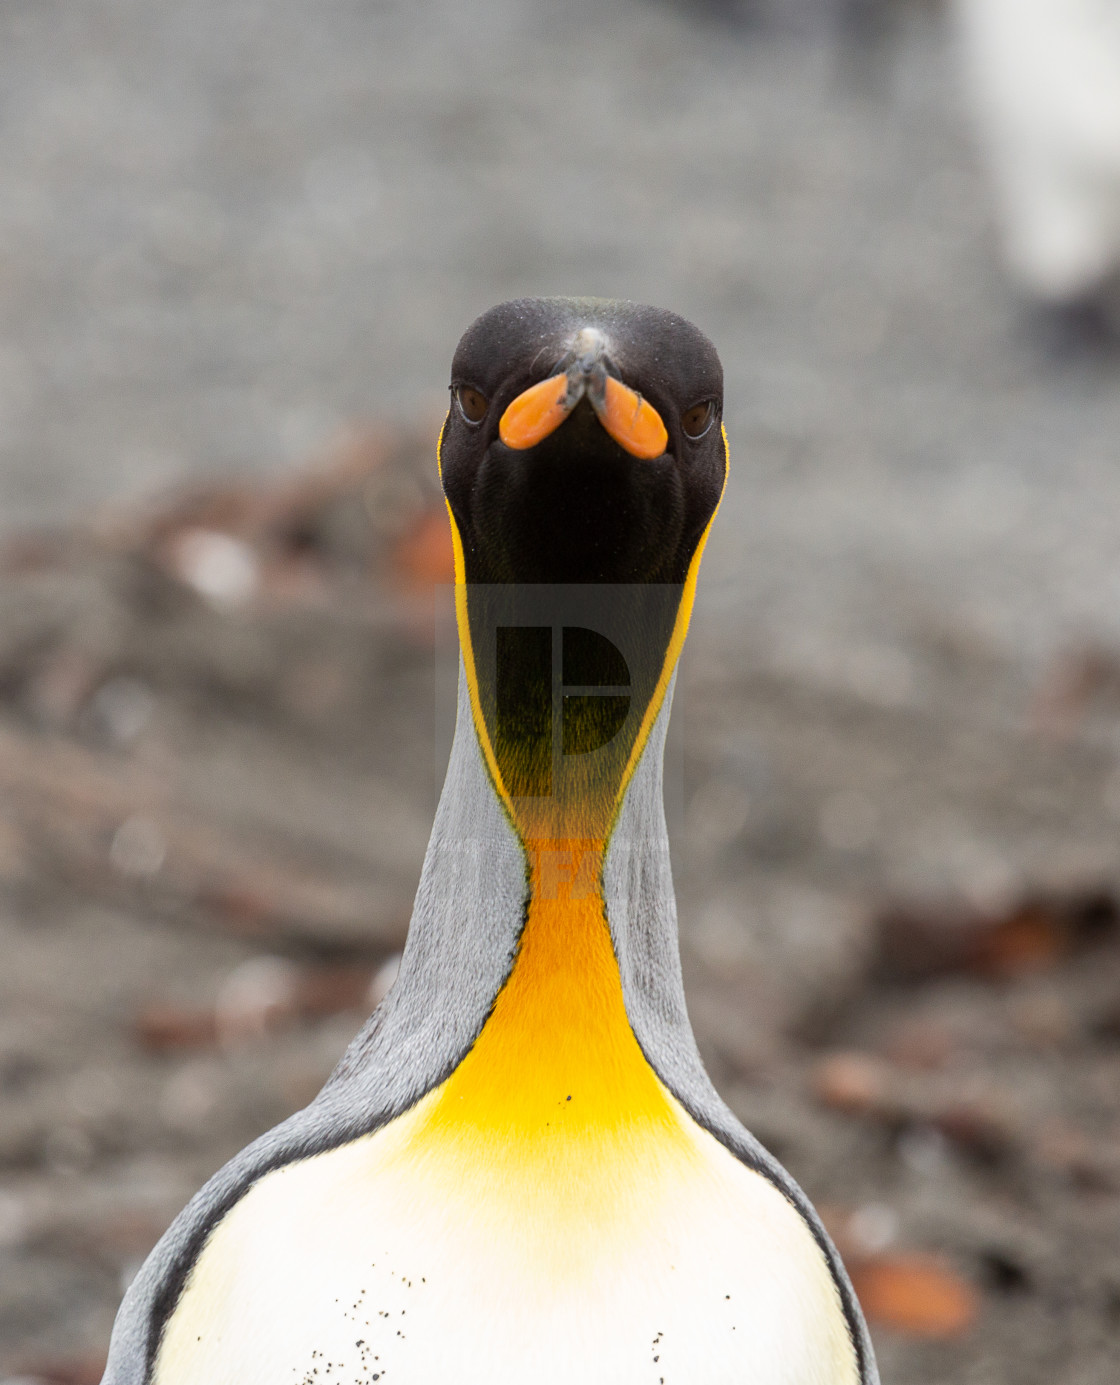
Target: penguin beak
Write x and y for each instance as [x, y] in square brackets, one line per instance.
[537, 412]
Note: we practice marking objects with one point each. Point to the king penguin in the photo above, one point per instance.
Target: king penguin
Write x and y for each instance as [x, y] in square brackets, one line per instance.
[519, 1170]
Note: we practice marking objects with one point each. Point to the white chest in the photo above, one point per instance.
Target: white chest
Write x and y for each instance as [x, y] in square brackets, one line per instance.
[364, 1264]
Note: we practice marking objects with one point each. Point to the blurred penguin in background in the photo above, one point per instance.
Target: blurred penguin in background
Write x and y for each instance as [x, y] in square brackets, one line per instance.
[1045, 84]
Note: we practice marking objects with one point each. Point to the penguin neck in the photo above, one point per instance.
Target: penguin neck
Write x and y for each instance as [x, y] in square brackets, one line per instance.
[541, 964]
[558, 1092]
[558, 1048]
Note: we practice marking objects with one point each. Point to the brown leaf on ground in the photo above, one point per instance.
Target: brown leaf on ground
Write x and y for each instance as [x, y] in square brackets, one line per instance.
[424, 555]
[164, 1028]
[262, 996]
[920, 1044]
[1032, 937]
[79, 1370]
[323, 991]
[870, 1088]
[976, 1127]
[914, 1294]
[1074, 680]
[1092, 1165]
[855, 1083]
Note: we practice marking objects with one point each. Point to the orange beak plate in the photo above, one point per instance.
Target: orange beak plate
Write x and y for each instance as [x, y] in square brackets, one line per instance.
[538, 411]
[535, 413]
[632, 421]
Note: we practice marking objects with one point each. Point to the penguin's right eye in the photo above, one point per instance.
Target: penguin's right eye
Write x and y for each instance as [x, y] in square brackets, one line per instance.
[697, 420]
[472, 405]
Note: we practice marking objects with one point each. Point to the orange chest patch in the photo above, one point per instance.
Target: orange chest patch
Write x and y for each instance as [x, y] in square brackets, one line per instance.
[556, 1073]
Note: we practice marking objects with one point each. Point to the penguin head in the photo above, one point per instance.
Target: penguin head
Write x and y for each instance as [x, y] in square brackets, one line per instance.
[583, 458]
[583, 443]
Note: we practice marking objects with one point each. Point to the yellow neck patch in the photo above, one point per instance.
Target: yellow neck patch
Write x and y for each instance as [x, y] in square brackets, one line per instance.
[556, 1093]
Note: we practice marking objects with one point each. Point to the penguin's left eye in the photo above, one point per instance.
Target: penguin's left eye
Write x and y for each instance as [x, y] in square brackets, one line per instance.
[697, 420]
[472, 404]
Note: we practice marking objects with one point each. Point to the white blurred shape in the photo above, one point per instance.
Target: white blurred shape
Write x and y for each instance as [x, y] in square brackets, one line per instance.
[255, 997]
[189, 1096]
[138, 848]
[122, 707]
[218, 566]
[873, 1227]
[129, 1270]
[924, 1150]
[382, 981]
[1045, 80]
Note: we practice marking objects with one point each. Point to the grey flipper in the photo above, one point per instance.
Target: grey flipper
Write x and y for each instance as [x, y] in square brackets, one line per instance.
[642, 912]
[468, 916]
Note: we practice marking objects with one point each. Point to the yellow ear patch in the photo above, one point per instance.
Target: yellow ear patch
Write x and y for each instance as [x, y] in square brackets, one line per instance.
[535, 413]
[632, 421]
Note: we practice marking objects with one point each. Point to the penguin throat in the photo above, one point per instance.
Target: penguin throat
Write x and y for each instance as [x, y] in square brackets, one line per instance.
[556, 1063]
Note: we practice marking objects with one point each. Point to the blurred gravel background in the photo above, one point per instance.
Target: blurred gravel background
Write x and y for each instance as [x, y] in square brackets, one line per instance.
[238, 243]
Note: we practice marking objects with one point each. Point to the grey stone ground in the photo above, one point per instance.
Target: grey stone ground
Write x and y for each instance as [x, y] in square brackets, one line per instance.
[229, 230]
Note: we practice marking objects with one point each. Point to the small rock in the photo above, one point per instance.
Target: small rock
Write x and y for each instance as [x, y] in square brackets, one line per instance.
[382, 981]
[189, 1096]
[164, 1028]
[923, 1149]
[855, 1083]
[923, 1044]
[120, 710]
[258, 996]
[222, 569]
[138, 848]
[872, 1228]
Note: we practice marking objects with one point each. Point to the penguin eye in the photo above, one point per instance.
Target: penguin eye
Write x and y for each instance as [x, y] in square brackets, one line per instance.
[472, 405]
[697, 420]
